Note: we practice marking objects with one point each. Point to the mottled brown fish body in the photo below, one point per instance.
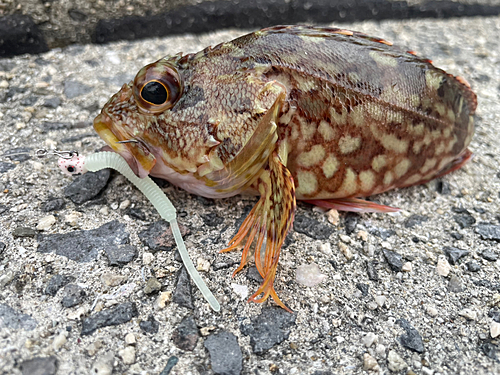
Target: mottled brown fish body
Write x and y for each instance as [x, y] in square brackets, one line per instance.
[290, 112]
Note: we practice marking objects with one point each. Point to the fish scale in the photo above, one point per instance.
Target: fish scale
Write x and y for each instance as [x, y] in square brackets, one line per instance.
[292, 112]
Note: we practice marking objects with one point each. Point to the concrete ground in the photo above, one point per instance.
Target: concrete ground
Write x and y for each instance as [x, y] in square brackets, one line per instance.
[429, 314]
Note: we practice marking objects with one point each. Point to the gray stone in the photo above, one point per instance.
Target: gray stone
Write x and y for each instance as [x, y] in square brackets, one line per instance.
[158, 236]
[182, 292]
[119, 314]
[87, 186]
[11, 318]
[150, 325]
[20, 154]
[152, 285]
[54, 205]
[454, 253]
[312, 228]
[52, 102]
[488, 231]
[40, 366]
[489, 255]
[455, 284]
[270, 328]
[56, 282]
[473, 266]
[84, 245]
[411, 339]
[74, 89]
[225, 353]
[394, 260]
[464, 220]
[186, 335]
[119, 256]
[415, 220]
[72, 295]
[24, 232]
[4, 167]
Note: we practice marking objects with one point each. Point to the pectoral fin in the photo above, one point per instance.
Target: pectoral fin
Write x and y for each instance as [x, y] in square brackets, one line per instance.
[270, 219]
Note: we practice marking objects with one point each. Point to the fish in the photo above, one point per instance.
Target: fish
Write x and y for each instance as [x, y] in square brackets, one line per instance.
[323, 115]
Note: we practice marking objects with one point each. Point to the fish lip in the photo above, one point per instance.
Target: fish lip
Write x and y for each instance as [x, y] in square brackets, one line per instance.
[137, 155]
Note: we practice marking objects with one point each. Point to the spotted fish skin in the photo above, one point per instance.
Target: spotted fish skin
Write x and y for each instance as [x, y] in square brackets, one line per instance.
[292, 112]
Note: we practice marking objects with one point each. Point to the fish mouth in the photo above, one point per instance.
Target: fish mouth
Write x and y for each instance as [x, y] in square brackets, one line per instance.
[133, 150]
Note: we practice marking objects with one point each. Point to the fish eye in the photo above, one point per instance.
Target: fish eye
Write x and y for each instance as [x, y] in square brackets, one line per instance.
[154, 93]
[157, 87]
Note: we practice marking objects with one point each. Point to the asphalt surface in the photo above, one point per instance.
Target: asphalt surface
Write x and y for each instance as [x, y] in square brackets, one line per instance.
[391, 300]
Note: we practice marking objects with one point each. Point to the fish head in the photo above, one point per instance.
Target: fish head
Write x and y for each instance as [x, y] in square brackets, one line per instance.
[197, 117]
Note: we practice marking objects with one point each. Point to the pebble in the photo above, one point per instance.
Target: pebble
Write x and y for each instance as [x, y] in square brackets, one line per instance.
[182, 293]
[326, 248]
[111, 279]
[162, 299]
[488, 255]
[362, 235]
[455, 285]
[431, 311]
[205, 331]
[148, 258]
[333, 217]
[186, 335]
[395, 362]
[202, 265]
[370, 363]
[369, 339]
[128, 355]
[158, 236]
[59, 340]
[473, 266]
[411, 339]
[225, 353]
[85, 245]
[87, 186]
[415, 220]
[468, 314]
[309, 275]
[488, 231]
[40, 365]
[371, 271]
[21, 232]
[104, 210]
[443, 268]
[393, 259]
[124, 204]
[454, 253]
[54, 205]
[72, 295]
[268, 329]
[150, 326]
[94, 347]
[494, 329]
[116, 315]
[240, 290]
[350, 222]
[464, 220]
[130, 339]
[407, 267]
[56, 282]
[46, 222]
[345, 238]
[344, 249]
[6, 278]
[380, 300]
[103, 365]
[152, 285]
[312, 228]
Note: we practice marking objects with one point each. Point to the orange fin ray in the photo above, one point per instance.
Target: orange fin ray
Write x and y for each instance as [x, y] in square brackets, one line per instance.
[270, 220]
[351, 205]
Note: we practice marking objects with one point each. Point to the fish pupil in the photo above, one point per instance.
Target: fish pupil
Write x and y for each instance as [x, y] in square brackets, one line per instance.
[154, 93]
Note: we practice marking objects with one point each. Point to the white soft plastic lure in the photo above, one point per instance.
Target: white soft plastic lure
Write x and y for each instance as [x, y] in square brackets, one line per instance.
[100, 160]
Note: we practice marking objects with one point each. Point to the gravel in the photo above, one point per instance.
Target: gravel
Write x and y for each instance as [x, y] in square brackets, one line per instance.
[328, 329]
